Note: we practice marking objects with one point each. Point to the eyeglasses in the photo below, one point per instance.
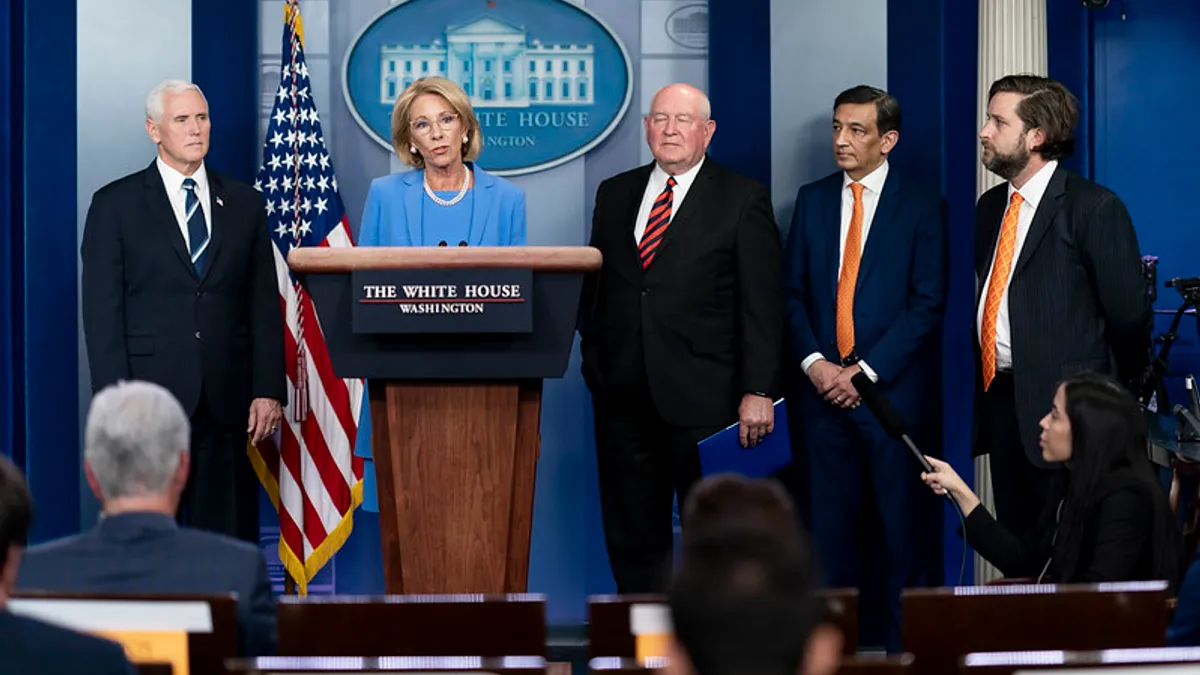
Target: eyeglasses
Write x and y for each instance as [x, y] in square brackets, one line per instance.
[423, 127]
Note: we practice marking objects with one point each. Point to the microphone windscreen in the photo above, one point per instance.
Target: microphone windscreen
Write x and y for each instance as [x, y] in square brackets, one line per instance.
[881, 408]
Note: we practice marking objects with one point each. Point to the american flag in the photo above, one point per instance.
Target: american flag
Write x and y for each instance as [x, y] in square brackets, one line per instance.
[308, 468]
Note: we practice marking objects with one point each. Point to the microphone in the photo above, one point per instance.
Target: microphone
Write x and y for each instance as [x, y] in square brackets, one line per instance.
[887, 415]
[1190, 420]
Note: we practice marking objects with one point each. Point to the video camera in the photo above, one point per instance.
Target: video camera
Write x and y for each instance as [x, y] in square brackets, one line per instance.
[1189, 288]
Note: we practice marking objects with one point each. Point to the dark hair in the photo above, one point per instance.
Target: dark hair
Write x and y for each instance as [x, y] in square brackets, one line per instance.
[16, 508]
[735, 499]
[1109, 433]
[744, 601]
[1047, 105]
[887, 108]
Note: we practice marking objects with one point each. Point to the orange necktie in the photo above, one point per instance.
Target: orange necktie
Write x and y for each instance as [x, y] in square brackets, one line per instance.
[849, 277]
[1001, 267]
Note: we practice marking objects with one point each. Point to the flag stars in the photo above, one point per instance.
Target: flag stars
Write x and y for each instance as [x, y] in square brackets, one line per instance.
[323, 184]
[275, 163]
[272, 185]
[276, 140]
[321, 206]
[306, 206]
[287, 183]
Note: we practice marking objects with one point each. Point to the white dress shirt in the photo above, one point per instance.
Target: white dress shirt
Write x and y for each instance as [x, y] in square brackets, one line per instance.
[872, 188]
[654, 187]
[173, 182]
[1032, 193]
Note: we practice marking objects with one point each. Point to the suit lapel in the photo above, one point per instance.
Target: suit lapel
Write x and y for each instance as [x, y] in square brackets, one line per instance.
[415, 181]
[1043, 217]
[985, 247]
[628, 221]
[216, 208]
[483, 214]
[877, 239]
[161, 217]
[831, 219]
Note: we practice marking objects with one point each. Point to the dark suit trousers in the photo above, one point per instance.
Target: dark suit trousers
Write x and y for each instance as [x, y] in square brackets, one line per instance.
[643, 462]
[849, 453]
[222, 490]
[1021, 489]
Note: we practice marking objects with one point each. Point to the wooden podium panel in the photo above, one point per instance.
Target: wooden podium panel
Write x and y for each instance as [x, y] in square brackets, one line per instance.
[455, 467]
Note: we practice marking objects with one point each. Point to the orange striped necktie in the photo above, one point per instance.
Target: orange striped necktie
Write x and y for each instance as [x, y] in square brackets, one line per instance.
[851, 257]
[1001, 268]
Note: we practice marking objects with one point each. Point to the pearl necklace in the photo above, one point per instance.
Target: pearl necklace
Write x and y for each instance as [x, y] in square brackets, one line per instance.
[462, 192]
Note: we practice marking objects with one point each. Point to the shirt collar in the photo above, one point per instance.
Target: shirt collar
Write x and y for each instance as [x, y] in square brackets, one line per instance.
[873, 181]
[173, 180]
[1035, 188]
[682, 181]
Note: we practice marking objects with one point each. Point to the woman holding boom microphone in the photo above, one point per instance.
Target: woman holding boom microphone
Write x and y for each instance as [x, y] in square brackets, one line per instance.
[1111, 522]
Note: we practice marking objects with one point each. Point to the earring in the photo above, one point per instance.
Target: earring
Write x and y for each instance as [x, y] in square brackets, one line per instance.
[412, 149]
[465, 139]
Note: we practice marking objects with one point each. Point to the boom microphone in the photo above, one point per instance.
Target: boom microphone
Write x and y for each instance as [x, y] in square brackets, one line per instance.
[887, 415]
[1189, 420]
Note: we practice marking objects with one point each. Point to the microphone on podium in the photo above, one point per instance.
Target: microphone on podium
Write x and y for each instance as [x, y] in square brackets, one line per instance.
[887, 415]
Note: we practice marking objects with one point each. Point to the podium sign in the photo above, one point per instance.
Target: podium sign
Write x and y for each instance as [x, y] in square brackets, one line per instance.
[442, 301]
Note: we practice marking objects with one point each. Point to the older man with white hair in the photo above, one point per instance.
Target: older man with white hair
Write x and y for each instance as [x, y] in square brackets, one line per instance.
[179, 288]
[137, 463]
[682, 330]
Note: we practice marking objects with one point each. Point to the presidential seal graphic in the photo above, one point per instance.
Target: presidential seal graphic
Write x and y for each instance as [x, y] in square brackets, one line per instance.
[548, 79]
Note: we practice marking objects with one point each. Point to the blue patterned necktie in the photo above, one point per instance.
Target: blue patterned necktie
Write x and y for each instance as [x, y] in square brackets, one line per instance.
[197, 232]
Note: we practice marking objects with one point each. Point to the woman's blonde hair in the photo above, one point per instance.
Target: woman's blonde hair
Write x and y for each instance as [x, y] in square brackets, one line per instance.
[459, 102]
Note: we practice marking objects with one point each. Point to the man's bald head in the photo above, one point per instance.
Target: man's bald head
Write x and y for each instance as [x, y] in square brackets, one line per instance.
[679, 127]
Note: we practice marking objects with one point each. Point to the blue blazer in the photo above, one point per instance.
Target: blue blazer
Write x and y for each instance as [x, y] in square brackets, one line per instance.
[900, 296]
[31, 646]
[392, 215]
[149, 553]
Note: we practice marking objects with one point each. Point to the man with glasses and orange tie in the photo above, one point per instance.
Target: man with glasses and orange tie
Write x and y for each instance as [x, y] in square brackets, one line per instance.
[866, 290]
[681, 330]
[1059, 288]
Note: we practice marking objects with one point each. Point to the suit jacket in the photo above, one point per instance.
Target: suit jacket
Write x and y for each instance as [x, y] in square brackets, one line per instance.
[149, 553]
[148, 316]
[392, 215]
[899, 297]
[30, 646]
[1119, 539]
[703, 325]
[1077, 301]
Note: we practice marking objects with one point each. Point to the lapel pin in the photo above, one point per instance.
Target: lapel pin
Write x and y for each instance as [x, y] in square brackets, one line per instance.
[219, 202]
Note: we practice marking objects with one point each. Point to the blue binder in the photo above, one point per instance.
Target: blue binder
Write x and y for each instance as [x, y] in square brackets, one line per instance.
[723, 452]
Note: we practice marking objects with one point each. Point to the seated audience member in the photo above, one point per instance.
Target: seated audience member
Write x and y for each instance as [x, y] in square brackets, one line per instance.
[744, 601]
[1111, 521]
[721, 498]
[136, 461]
[28, 646]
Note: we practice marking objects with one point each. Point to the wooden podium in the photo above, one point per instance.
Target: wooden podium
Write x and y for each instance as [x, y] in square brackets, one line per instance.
[455, 414]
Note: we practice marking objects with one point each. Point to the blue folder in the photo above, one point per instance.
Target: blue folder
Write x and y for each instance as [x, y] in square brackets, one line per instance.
[723, 452]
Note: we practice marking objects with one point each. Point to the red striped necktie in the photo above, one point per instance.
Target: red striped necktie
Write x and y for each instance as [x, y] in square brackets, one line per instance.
[656, 226]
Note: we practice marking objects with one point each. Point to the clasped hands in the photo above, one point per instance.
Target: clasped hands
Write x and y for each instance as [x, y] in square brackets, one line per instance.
[833, 382]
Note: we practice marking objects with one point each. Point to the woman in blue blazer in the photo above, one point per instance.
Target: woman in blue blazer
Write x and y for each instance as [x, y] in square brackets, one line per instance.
[446, 201]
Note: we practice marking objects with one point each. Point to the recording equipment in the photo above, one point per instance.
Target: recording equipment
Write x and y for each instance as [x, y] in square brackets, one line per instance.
[1188, 288]
[1188, 420]
[889, 418]
[1150, 276]
[893, 424]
